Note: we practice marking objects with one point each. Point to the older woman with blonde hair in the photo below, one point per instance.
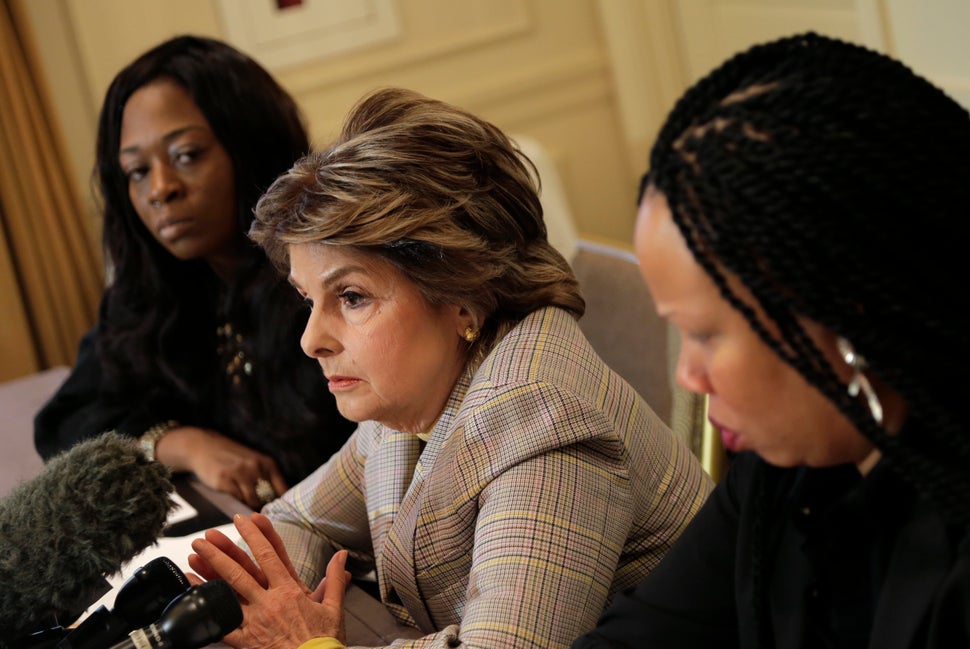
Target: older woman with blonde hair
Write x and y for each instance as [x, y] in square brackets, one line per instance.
[503, 482]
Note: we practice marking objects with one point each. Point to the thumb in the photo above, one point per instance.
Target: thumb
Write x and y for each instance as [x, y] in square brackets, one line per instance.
[331, 588]
[317, 594]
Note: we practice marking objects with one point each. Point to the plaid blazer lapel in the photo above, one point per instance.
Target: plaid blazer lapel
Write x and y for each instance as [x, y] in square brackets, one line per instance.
[400, 579]
[393, 466]
[396, 563]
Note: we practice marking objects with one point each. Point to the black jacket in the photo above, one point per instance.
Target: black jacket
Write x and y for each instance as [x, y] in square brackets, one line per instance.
[847, 562]
[84, 406]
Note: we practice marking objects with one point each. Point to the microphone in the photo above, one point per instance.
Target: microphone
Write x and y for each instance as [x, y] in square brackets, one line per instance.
[90, 510]
[200, 616]
[140, 600]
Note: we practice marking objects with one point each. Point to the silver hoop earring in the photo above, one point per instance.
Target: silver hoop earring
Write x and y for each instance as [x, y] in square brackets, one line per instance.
[859, 380]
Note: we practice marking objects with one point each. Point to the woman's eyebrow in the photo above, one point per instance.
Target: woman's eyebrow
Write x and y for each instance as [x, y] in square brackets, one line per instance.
[168, 137]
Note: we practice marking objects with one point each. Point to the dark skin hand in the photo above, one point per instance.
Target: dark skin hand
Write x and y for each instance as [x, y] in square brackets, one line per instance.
[219, 462]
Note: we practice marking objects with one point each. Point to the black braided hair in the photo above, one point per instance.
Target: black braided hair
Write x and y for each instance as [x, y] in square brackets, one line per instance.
[833, 181]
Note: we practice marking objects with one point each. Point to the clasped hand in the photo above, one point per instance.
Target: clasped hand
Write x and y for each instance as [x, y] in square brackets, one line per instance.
[279, 610]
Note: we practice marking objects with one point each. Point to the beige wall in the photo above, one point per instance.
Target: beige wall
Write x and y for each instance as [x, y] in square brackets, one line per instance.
[535, 67]
[591, 80]
[657, 47]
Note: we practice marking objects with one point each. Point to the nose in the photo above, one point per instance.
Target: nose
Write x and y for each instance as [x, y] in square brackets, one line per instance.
[165, 184]
[317, 340]
[691, 373]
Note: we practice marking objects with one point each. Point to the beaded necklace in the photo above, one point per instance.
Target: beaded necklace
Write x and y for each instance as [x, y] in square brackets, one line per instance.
[232, 353]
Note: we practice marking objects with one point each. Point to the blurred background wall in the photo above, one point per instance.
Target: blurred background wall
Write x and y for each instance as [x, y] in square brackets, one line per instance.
[591, 80]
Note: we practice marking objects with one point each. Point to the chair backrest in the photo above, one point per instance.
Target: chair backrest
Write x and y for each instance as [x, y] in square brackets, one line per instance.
[620, 321]
[625, 330]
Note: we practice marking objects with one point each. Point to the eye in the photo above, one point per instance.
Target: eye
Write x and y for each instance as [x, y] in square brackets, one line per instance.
[134, 174]
[699, 337]
[186, 156]
[351, 299]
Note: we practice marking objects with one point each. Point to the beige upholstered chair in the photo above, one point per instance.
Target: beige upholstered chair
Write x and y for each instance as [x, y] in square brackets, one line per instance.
[621, 323]
[620, 319]
[624, 328]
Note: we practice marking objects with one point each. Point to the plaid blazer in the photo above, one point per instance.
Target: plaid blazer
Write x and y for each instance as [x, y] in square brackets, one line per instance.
[547, 486]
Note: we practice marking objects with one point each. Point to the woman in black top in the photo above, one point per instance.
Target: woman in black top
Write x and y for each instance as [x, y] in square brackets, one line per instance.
[197, 346]
[802, 226]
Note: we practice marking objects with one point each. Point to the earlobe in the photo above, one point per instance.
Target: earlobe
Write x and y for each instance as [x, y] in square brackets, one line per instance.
[468, 327]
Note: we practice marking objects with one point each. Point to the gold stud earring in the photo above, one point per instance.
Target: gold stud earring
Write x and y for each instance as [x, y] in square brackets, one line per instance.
[471, 334]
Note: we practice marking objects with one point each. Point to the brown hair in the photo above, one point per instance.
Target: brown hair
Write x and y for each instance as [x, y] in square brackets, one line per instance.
[444, 196]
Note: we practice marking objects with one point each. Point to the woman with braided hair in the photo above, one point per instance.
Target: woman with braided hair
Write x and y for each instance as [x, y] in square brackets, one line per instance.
[798, 224]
